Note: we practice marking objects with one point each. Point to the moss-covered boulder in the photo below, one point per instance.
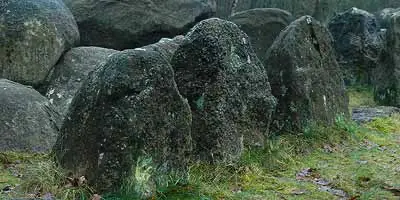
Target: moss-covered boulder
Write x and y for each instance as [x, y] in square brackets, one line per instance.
[33, 36]
[29, 123]
[305, 77]
[128, 110]
[227, 89]
[358, 44]
[70, 72]
[387, 75]
[262, 25]
[130, 24]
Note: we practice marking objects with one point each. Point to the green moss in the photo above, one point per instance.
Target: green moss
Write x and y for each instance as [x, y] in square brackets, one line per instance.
[360, 96]
[386, 125]
[200, 103]
[355, 159]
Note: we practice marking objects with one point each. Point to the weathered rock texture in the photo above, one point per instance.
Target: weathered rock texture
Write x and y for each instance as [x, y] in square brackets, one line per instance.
[387, 75]
[33, 36]
[166, 46]
[384, 15]
[322, 10]
[29, 122]
[134, 23]
[70, 72]
[129, 108]
[262, 25]
[227, 89]
[358, 44]
[305, 77]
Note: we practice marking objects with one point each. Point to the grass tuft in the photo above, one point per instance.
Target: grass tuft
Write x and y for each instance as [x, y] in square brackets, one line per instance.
[362, 161]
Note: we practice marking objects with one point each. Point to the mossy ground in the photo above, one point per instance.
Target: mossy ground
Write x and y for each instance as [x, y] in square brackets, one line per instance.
[362, 161]
[360, 96]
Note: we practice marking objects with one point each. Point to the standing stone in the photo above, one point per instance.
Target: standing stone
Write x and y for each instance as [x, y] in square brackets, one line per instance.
[387, 75]
[305, 77]
[33, 36]
[262, 25]
[128, 110]
[70, 72]
[227, 89]
[29, 123]
[358, 44]
[135, 23]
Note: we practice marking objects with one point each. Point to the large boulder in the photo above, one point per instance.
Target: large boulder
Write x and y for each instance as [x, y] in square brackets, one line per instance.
[127, 111]
[29, 123]
[70, 72]
[387, 75]
[227, 89]
[166, 46]
[384, 15]
[225, 8]
[262, 25]
[134, 23]
[358, 44]
[33, 36]
[305, 77]
[322, 10]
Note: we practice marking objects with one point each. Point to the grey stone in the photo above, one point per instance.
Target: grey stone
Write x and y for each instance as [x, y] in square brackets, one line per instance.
[305, 77]
[33, 36]
[227, 89]
[166, 46]
[70, 72]
[29, 123]
[129, 109]
[130, 24]
[358, 44]
[387, 74]
[262, 25]
[322, 10]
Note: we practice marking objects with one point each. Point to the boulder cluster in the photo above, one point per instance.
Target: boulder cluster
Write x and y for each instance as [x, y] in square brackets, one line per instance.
[106, 84]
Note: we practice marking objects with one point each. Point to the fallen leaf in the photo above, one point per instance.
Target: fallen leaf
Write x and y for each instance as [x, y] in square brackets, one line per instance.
[236, 189]
[96, 197]
[298, 192]
[321, 181]
[333, 191]
[75, 182]
[364, 179]
[394, 190]
[362, 162]
[7, 189]
[307, 174]
[354, 198]
[48, 196]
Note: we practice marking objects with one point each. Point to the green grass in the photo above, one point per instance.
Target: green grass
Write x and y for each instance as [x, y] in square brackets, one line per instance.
[36, 175]
[360, 160]
[360, 96]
